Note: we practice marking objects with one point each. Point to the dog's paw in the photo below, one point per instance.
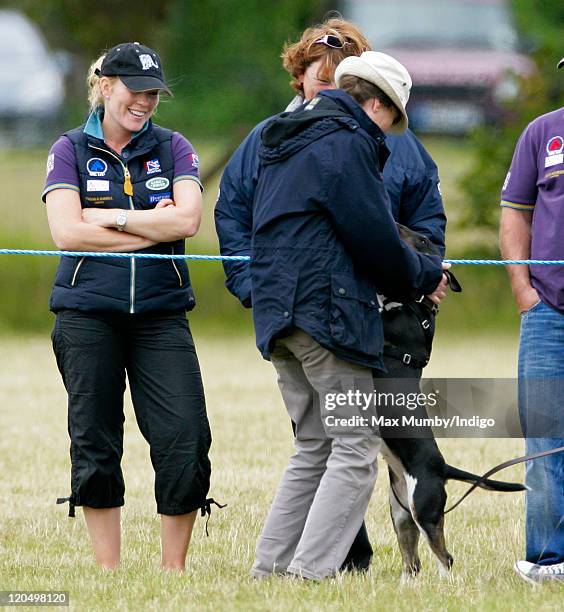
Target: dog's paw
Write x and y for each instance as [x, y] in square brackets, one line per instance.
[409, 577]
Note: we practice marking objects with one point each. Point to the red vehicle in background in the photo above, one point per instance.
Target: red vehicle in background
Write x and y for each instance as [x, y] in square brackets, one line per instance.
[463, 56]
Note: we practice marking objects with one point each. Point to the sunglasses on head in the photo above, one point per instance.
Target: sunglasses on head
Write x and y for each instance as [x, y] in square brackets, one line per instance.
[330, 40]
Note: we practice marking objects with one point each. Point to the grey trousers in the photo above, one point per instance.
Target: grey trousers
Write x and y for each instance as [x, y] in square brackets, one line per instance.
[324, 493]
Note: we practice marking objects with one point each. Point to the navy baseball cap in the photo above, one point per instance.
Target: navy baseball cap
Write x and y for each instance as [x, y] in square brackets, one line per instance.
[138, 66]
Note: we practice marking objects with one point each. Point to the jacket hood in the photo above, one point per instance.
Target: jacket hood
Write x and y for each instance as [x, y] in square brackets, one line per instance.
[329, 111]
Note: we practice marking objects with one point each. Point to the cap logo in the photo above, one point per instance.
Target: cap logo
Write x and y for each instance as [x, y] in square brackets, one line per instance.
[147, 62]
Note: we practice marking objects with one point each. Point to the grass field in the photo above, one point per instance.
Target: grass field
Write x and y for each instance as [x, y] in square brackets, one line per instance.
[42, 549]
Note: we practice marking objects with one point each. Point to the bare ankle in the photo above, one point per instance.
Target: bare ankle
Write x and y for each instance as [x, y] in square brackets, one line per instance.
[108, 564]
[173, 567]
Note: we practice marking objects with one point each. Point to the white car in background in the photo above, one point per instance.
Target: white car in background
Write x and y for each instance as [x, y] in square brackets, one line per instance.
[32, 82]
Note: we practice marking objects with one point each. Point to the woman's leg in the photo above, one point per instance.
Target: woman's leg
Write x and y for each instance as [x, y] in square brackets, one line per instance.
[342, 497]
[323, 495]
[176, 532]
[90, 358]
[286, 518]
[168, 398]
[104, 528]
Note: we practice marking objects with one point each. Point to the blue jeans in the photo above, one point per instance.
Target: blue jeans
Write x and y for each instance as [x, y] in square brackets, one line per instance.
[541, 408]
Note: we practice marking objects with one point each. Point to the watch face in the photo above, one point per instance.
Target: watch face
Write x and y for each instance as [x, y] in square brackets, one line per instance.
[121, 220]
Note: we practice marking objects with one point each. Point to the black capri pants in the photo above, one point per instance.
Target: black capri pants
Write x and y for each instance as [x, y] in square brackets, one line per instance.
[94, 352]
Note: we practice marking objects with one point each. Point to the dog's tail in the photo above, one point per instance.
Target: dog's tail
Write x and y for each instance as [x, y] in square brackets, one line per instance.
[453, 473]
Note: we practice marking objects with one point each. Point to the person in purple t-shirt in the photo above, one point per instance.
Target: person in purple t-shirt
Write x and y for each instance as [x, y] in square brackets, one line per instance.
[532, 227]
[119, 183]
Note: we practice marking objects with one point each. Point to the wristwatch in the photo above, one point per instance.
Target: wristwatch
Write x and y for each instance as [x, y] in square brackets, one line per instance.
[121, 220]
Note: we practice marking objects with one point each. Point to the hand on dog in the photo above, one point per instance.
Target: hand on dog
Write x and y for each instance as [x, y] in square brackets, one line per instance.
[440, 292]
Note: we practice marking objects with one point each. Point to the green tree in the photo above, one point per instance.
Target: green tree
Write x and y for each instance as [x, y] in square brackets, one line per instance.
[542, 21]
[87, 28]
[223, 59]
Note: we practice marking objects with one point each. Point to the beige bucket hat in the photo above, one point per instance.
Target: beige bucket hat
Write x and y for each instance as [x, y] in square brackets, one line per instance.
[385, 72]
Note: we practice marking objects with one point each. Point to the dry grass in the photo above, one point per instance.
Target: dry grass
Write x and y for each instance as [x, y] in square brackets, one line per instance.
[42, 549]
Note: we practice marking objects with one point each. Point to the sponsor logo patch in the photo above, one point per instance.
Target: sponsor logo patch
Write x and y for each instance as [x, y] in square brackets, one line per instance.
[147, 62]
[157, 183]
[194, 160]
[553, 160]
[157, 197]
[96, 166]
[99, 199]
[50, 163]
[555, 145]
[96, 185]
[152, 166]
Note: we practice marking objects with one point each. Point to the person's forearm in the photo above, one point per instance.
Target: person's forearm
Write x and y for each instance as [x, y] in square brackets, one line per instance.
[515, 243]
[159, 224]
[88, 237]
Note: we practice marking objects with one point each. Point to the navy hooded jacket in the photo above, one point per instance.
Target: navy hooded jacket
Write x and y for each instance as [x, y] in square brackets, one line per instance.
[411, 180]
[324, 241]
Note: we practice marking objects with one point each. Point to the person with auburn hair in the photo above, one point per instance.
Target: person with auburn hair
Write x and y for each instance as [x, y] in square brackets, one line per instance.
[120, 183]
[411, 181]
[326, 46]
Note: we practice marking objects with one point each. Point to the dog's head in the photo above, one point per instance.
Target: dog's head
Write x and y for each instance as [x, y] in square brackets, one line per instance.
[422, 244]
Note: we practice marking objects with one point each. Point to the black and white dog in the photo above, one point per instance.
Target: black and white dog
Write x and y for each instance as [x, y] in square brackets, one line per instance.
[417, 470]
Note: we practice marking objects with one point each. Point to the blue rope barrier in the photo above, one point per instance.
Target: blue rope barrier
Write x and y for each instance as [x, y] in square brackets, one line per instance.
[122, 255]
[462, 262]
[505, 262]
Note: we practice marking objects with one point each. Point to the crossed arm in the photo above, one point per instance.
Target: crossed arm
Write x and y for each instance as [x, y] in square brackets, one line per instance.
[93, 229]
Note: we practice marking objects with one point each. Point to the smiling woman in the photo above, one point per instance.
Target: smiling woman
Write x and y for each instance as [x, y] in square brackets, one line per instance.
[120, 183]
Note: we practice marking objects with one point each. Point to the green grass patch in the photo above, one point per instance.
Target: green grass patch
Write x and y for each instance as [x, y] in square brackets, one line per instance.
[42, 549]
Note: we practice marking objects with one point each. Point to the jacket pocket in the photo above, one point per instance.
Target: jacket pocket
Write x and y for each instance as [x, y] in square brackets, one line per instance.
[355, 320]
[76, 272]
[68, 271]
[176, 270]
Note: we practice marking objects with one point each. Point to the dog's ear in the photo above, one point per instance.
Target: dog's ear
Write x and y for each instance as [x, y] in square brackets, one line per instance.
[453, 282]
[403, 231]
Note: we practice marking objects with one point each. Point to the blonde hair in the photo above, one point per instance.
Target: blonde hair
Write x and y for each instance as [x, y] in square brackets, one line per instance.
[95, 97]
[296, 57]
